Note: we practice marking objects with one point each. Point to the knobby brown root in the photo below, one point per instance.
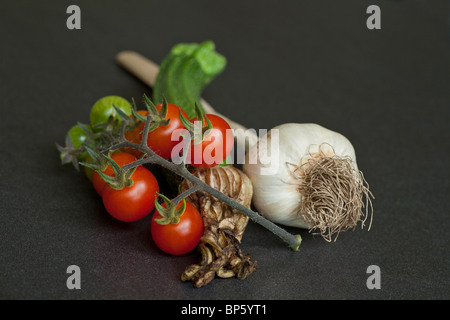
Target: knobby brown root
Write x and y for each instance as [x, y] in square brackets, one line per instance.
[223, 226]
[332, 195]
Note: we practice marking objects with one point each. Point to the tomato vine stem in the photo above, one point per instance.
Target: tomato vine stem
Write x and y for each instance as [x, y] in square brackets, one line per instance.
[198, 185]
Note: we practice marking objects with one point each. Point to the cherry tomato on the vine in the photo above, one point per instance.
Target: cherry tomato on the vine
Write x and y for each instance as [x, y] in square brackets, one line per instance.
[121, 158]
[160, 139]
[179, 238]
[216, 145]
[77, 137]
[103, 109]
[132, 203]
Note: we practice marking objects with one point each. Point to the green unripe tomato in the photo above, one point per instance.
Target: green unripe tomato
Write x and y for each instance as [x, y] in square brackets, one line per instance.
[78, 136]
[103, 109]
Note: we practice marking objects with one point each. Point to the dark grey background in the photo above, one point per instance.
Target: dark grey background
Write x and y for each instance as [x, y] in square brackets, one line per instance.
[387, 90]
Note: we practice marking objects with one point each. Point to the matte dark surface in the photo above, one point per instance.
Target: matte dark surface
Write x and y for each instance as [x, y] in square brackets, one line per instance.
[387, 90]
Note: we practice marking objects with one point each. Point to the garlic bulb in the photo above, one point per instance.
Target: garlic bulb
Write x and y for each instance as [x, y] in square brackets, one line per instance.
[306, 176]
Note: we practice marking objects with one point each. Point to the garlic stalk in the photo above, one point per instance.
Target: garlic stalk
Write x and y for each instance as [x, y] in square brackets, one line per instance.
[306, 176]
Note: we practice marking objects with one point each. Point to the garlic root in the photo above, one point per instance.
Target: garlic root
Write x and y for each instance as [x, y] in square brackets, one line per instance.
[223, 226]
[313, 181]
[332, 194]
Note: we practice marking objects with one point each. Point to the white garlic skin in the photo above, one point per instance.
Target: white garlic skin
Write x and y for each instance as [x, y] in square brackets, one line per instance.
[275, 190]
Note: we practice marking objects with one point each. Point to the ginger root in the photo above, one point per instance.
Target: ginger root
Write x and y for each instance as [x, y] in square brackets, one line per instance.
[223, 225]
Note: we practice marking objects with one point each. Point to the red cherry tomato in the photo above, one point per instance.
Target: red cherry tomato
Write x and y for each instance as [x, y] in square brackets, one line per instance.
[215, 147]
[180, 238]
[134, 202]
[121, 158]
[160, 139]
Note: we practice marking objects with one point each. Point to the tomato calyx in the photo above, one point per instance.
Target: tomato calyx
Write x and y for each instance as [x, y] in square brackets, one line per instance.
[133, 120]
[110, 124]
[97, 161]
[172, 211]
[157, 118]
[69, 154]
[198, 128]
[121, 178]
[74, 150]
